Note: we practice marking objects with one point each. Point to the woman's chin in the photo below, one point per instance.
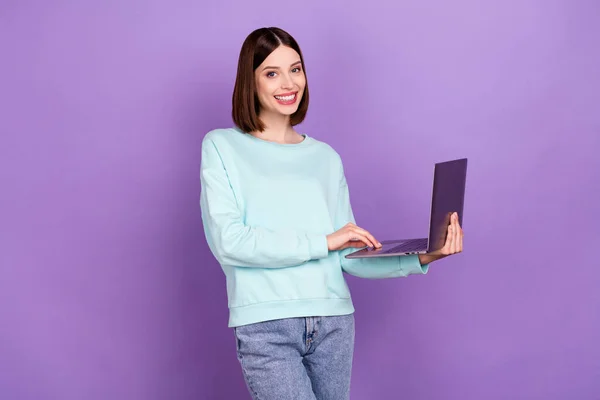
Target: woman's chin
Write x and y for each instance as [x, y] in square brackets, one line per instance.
[287, 111]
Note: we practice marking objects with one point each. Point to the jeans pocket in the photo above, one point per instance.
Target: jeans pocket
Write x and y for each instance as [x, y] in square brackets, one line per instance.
[237, 343]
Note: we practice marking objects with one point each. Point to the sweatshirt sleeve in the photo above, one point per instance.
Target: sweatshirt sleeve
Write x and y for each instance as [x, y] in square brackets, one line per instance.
[231, 241]
[371, 268]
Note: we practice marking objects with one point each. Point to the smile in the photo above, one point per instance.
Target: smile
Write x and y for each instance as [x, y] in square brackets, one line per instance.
[288, 98]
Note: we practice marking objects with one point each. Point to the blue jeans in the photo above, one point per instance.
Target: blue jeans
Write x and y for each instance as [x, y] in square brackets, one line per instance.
[297, 358]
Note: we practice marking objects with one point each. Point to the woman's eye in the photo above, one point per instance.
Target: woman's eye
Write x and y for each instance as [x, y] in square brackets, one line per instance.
[297, 69]
[271, 74]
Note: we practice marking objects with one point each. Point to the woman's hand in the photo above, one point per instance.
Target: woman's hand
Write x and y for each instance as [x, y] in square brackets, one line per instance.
[453, 244]
[351, 236]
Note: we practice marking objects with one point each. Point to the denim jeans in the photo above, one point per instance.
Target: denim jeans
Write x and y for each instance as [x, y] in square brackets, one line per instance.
[297, 358]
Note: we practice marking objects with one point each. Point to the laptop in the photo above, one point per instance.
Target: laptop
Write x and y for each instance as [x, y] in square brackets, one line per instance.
[449, 180]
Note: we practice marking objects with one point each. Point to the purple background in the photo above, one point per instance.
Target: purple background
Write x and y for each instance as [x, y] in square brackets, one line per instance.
[107, 287]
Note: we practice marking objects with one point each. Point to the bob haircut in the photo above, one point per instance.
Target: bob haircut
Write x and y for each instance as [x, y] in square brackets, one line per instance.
[256, 48]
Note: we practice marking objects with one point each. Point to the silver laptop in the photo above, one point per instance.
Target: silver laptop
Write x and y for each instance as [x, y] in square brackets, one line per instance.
[449, 180]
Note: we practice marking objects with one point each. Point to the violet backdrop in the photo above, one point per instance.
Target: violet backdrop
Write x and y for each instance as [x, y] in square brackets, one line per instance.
[107, 287]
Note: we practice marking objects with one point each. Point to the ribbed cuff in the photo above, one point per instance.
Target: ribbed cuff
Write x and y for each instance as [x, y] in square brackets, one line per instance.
[411, 265]
[318, 246]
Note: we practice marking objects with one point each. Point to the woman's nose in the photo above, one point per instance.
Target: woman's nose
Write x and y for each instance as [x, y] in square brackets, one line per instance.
[287, 82]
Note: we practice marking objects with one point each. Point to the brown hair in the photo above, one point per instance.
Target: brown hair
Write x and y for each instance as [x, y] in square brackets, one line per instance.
[256, 48]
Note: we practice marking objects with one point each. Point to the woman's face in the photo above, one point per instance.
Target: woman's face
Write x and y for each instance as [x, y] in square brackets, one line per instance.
[280, 81]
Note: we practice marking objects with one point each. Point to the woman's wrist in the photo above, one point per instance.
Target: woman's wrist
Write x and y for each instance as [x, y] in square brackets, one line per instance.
[429, 258]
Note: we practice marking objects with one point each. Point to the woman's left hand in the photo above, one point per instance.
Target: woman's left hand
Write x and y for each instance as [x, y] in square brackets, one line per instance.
[453, 244]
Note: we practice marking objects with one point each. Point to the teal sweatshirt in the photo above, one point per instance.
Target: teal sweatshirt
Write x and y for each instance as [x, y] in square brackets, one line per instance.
[267, 209]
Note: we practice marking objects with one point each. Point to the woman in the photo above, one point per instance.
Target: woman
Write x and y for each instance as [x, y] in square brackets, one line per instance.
[277, 216]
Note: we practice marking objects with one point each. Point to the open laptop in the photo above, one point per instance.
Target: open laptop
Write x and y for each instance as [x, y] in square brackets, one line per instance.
[449, 180]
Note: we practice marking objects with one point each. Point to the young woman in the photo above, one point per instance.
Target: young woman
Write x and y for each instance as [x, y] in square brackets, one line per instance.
[276, 213]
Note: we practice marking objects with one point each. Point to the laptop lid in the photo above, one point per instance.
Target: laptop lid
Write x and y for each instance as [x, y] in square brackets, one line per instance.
[449, 181]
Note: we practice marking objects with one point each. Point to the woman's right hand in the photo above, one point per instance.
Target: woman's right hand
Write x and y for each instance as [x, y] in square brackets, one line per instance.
[351, 236]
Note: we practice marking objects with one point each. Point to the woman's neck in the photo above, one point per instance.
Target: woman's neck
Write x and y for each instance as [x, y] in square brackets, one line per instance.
[277, 129]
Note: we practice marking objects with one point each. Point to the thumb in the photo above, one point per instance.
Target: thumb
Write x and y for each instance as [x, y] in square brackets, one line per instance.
[353, 244]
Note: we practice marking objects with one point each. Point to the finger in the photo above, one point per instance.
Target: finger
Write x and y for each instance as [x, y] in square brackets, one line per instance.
[451, 242]
[460, 236]
[448, 244]
[366, 233]
[354, 244]
[458, 222]
[372, 239]
[454, 235]
[357, 236]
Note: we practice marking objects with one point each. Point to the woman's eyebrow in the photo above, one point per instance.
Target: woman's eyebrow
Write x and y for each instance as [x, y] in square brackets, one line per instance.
[269, 67]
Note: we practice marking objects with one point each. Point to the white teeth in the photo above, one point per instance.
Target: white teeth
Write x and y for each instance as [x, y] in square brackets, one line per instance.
[285, 98]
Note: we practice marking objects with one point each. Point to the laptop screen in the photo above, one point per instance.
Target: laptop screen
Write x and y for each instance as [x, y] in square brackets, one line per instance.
[449, 181]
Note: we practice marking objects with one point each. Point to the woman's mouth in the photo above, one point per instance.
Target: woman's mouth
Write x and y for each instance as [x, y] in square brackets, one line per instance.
[287, 98]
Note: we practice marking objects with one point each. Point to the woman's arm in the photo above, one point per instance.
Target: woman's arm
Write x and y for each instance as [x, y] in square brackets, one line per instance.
[372, 268]
[234, 243]
[452, 245]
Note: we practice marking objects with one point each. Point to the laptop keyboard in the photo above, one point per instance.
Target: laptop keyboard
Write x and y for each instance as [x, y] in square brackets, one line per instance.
[408, 246]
